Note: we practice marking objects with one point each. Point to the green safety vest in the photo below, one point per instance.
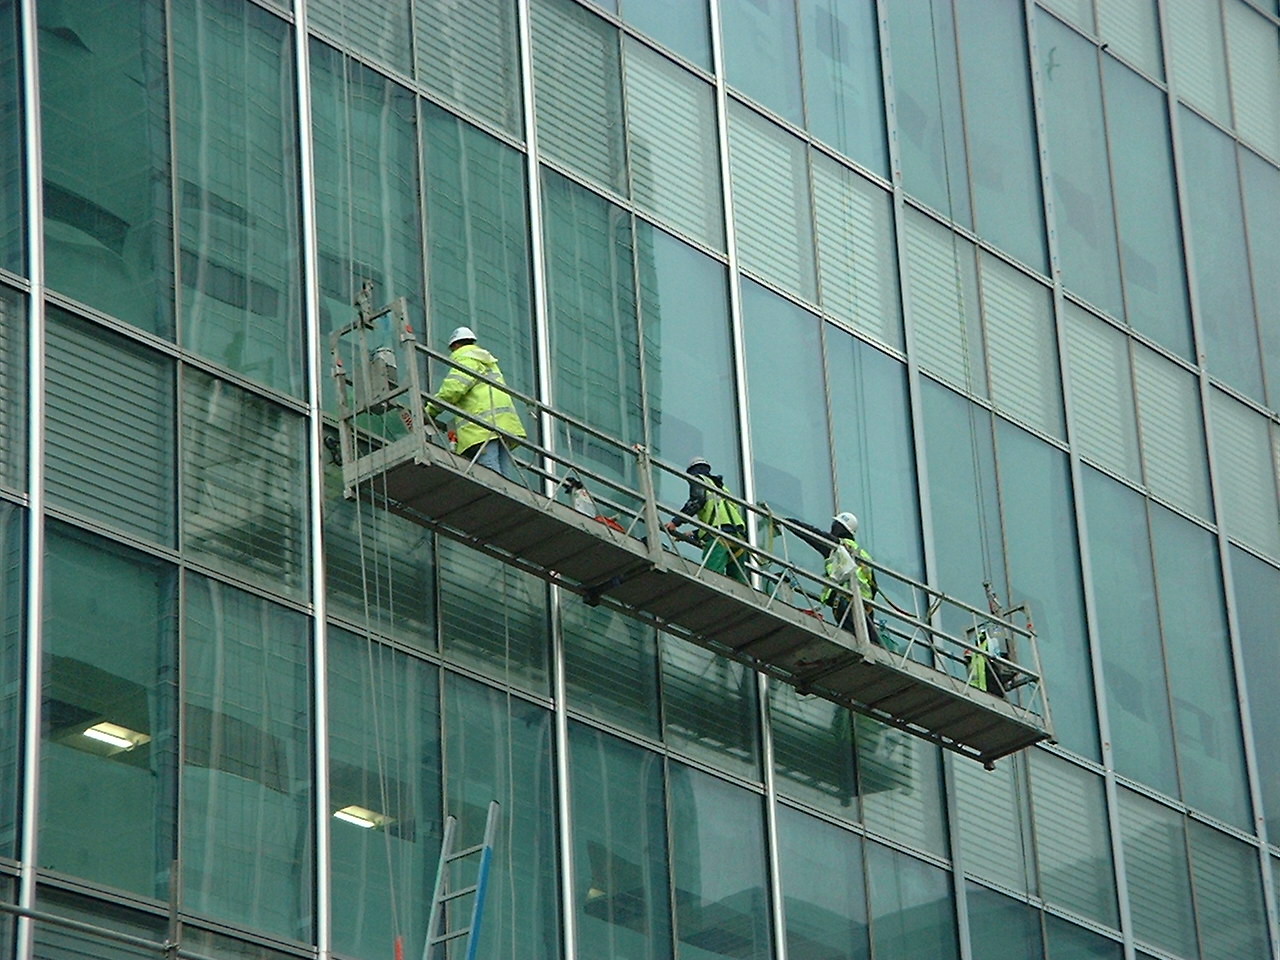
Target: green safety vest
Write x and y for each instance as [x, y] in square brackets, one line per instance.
[721, 514]
[978, 665]
[488, 403]
[866, 576]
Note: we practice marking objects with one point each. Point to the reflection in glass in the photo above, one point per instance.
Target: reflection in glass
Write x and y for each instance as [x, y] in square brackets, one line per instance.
[680, 25]
[1066, 941]
[1230, 911]
[718, 866]
[1000, 927]
[13, 389]
[54, 941]
[761, 56]
[107, 792]
[12, 234]
[107, 201]
[912, 914]
[710, 707]
[901, 781]
[1155, 861]
[238, 190]
[823, 890]
[611, 666]
[384, 756]
[1262, 207]
[12, 627]
[1257, 605]
[622, 883]
[377, 29]
[994, 824]
[466, 53]
[246, 766]
[813, 751]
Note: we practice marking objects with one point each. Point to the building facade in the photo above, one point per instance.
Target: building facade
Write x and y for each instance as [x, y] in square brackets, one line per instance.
[1002, 277]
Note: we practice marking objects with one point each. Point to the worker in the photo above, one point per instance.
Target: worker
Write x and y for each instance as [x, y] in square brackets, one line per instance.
[478, 440]
[709, 505]
[839, 547]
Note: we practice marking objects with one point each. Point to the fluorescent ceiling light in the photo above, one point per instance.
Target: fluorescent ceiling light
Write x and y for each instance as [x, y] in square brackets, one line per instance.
[114, 735]
[362, 817]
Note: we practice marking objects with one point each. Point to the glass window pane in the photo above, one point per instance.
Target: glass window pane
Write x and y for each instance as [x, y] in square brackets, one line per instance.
[244, 508]
[843, 85]
[12, 630]
[675, 167]
[1001, 927]
[1245, 471]
[1221, 257]
[942, 291]
[1255, 76]
[110, 446]
[857, 266]
[1155, 863]
[1257, 606]
[1173, 443]
[710, 707]
[718, 865]
[499, 748]
[238, 190]
[578, 79]
[761, 56]
[110, 719]
[1230, 911]
[1066, 941]
[12, 231]
[1078, 163]
[680, 25]
[623, 892]
[1000, 128]
[813, 751]
[1197, 61]
[466, 53]
[1262, 207]
[912, 912]
[1102, 406]
[771, 201]
[1072, 842]
[13, 389]
[994, 824]
[1155, 282]
[384, 757]
[107, 200]
[792, 467]
[1044, 572]
[901, 781]
[823, 889]
[1128, 632]
[1131, 29]
[54, 941]
[247, 817]
[377, 29]
[1021, 346]
[1079, 12]
[926, 91]
[611, 666]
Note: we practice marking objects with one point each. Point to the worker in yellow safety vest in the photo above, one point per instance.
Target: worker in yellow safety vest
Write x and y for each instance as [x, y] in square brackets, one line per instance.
[478, 439]
[844, 557]
[707, 503]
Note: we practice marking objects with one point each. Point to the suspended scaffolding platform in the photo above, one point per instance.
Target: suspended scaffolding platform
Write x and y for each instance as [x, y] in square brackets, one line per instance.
[612, 548]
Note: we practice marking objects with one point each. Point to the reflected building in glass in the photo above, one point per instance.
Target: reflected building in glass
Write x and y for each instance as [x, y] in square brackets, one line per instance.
[1002, 277]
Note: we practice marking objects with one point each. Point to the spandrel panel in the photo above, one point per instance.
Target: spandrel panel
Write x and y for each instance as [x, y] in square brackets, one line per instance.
[1197, 59]
[813, 751]
[1157, 881]
[823, 888]
[13, 389]
[377, 29]
[857, 267]
[1257, 604]
[12, 631]
[994, 823]
[1262, 208]
[237, 190]
[718, 867]
[108, 216]
[1131, 28]
[247, 802]
[680, 25]
[675, 167]
[710, 707]
[1245, 473]
[844, 90]
[1230, 912]
[467, 54]
[57, 941]
[610, 666]
[1155, 279]
[1104, 419]
[384, 769]
[578, 84]
[912, 910]
[110, 717]
[1001, 927]
[621, 873]
[1173, 442]
[12, 234]
[900, 777]
[1255, 76]
[761, 54]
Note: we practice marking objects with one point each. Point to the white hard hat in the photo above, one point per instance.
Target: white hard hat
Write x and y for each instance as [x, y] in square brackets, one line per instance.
[697, 462]
[462, 333]
[848, 521]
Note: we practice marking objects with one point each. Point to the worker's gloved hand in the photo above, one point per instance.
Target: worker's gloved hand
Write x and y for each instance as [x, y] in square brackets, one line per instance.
[670, 526]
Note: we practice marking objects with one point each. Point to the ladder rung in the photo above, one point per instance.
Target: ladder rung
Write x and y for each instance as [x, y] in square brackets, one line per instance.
[458, 893]
[464, 853]
[453, 935]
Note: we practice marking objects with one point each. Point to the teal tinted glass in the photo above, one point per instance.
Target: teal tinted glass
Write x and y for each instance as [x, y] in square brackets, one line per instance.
[1000, 128]
[710, 707]
[900, 777]
[1155, 281]
[367, 213]
[680, 25]
[107, 200]
[384, 770]
[843, 87]
[823, 890]
[610, 666]
[13, 389]
[376, 29]
[110, 729]
[1156, 873]
[238, 190]
[912, 914]
[56, 941]
[1230, 912]
[761, 53]
[926, 90]
[993, 823]
[466, 53]
[718, 866]
[1085, 220]
[1066, 941]
[499, 748]
[1128, 632]
[109, 434]
[1262, 207]
[12, 558]
[1044, 572]
[813, 751]
[1001, 927]
[1257, 603]
[1220, 255]
[247, 818]
[12, 235]
[620, 862]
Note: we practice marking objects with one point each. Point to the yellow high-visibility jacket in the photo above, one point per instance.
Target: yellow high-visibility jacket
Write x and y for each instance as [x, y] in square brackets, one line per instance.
[489, 404]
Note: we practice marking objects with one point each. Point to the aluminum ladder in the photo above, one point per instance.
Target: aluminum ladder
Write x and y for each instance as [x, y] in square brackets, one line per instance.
[443, 896]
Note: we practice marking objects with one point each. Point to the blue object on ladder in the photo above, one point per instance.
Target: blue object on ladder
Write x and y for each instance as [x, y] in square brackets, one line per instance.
[443, 896]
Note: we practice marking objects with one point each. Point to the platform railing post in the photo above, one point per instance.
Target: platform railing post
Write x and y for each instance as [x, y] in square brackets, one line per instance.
[653, 529]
